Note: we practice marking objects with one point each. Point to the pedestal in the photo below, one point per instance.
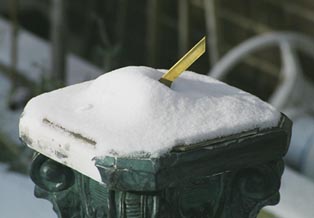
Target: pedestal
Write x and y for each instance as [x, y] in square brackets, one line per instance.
[229, 177]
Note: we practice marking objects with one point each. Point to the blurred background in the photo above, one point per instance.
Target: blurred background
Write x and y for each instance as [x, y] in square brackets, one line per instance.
[265, 47]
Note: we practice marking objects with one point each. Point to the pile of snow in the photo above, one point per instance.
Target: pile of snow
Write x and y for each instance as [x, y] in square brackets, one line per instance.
[128, 111]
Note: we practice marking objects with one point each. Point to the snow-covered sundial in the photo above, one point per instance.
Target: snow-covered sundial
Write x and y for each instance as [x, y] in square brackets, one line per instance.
[149, 131]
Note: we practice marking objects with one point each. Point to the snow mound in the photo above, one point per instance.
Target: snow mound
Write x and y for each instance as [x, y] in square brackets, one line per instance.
[128, 111]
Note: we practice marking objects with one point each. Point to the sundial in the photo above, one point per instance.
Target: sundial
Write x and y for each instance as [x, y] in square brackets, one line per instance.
[219, 163]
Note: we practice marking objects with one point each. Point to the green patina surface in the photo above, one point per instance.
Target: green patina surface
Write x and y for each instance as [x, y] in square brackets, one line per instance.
[232, 177]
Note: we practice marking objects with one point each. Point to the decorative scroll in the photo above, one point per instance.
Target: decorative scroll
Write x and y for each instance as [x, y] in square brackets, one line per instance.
[237, 194]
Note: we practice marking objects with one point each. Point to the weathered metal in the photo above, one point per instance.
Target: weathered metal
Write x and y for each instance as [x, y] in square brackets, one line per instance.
[229, 177]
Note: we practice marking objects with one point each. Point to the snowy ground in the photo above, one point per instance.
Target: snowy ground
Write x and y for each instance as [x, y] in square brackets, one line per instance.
[34, 57]
[9, 119]
[17, 199]
[16, 191]
[297, 197]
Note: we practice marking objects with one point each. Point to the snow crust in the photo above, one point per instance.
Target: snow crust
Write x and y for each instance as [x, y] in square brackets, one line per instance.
[128, 112]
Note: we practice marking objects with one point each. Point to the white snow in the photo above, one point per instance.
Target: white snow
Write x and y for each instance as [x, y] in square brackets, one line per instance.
[296, 197]
[128, 111]
[17, 197]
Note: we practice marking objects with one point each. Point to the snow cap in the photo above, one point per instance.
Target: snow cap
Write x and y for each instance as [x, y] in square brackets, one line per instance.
[128, 112]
